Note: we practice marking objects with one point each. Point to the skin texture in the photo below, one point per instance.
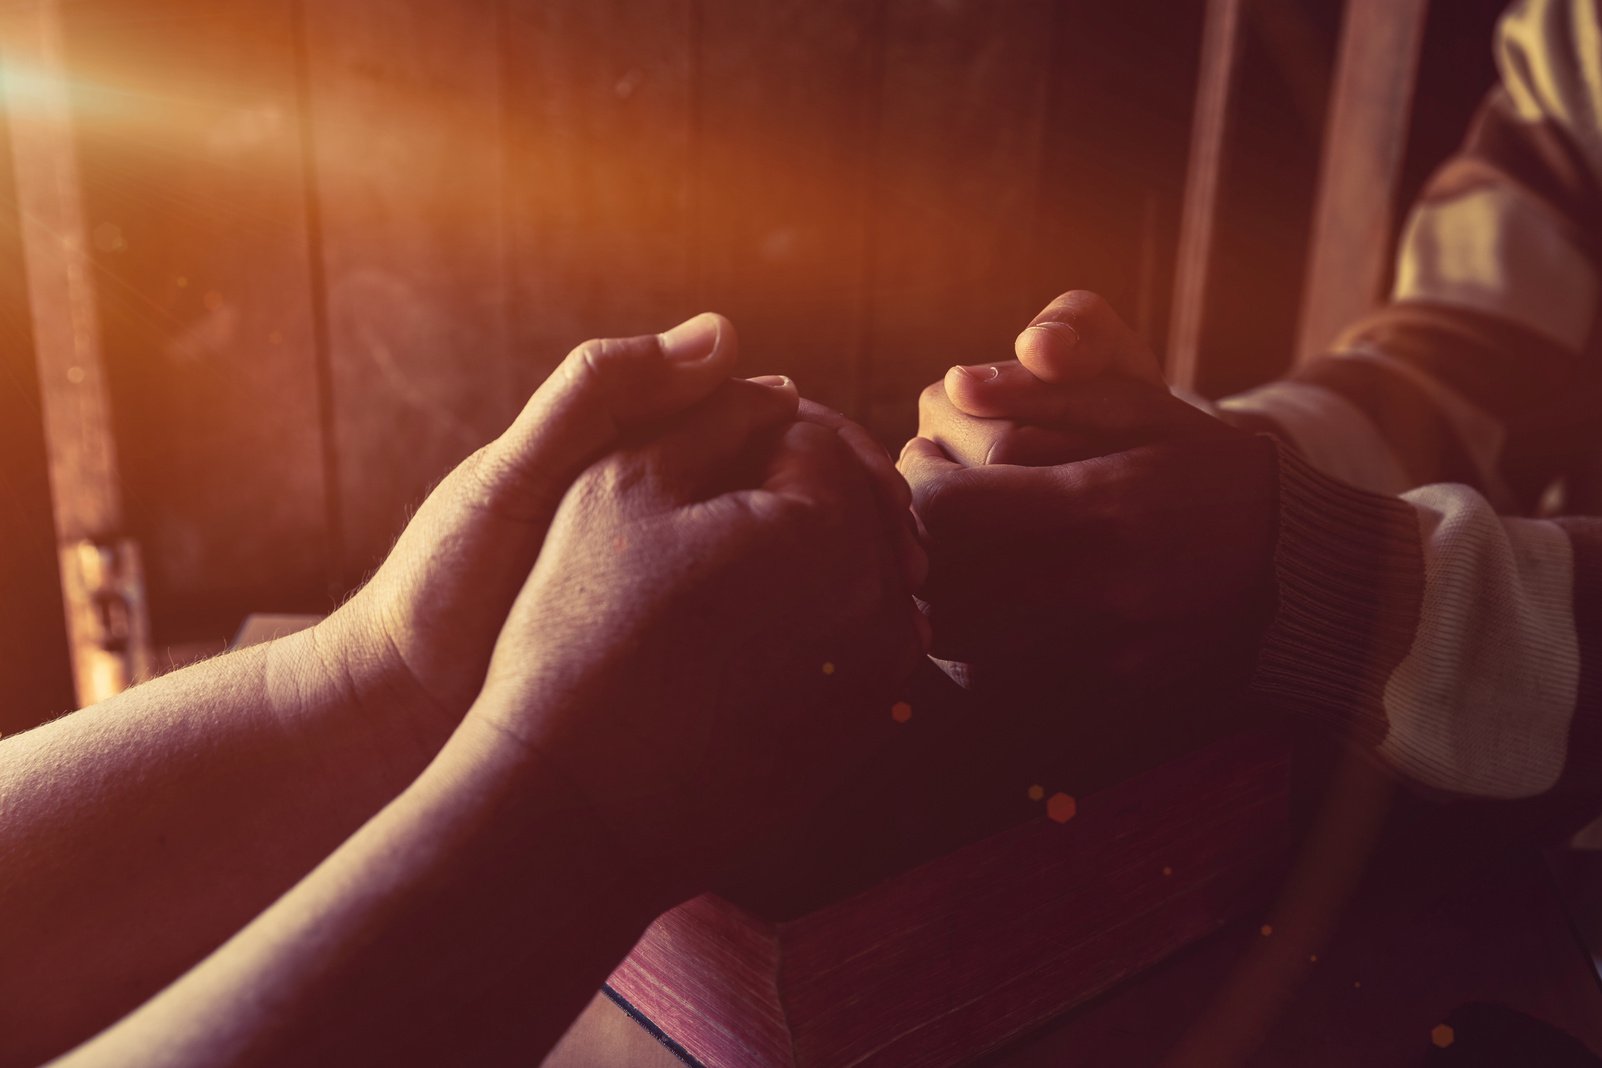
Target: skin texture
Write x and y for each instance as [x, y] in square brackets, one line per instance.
[160, 822]
[656, 697]
[415, 641]
[1133, 533]
[663, 611]
[724, 563]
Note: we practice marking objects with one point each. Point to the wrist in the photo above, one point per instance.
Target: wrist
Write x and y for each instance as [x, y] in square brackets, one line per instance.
[1348, 571]
[332, 670]
[539, 792]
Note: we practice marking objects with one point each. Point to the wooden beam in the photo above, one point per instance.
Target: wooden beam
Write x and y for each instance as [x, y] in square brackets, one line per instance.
[1256, 142]
[102, 586]
[189, 154]
[1364, 148]
[35, 671]
[405, 132]
[1221, 47]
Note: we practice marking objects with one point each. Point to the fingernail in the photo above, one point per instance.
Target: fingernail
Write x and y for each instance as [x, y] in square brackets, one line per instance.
[692, 340]
[1055, 333]
[979, 372]
[773, 381]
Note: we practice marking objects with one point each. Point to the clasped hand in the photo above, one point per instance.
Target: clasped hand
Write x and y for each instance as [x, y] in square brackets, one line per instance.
[689, 597]
[1085, 526]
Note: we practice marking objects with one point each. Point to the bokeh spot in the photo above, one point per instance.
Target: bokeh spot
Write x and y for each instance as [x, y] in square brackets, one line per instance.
[1061, 807]
[1036, 792]
[1442, 1035]
[901, 711]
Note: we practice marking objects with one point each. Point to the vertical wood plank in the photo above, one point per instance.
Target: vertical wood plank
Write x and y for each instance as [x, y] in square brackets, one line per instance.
[194, 194]
[598, 134]
[959, 143]
[786, 104]
[1113, 173]
[1255, 147]
[404, 106]
[102, 599]
[60, 271]
[1215, 81]
[1364, 148]
[35, 674]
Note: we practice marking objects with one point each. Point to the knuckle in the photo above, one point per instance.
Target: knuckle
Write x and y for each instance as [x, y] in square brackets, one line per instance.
[591, 359]
[1079, 305]
[491, 482]
[1005, 442]
[934, 408]
[482, 467]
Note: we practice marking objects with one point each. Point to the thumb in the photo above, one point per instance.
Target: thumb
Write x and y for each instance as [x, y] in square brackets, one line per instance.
[603, 388]
[1079, 337]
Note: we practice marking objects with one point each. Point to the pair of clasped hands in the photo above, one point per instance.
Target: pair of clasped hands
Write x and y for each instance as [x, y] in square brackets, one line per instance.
[694, 599]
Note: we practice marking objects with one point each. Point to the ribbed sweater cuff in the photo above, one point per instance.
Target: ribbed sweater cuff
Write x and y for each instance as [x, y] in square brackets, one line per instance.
[1350, 578]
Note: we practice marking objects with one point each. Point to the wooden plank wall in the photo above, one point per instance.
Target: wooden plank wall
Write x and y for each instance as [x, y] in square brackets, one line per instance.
[786, 100]
[35, 677]
[1365, 142]
[599, 134]
[404, 117]
[193, 186]
[1254, 164]
[338, 244]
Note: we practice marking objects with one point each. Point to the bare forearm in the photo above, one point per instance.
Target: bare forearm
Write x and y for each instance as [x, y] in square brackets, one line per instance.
[467, 922]
[140, 833]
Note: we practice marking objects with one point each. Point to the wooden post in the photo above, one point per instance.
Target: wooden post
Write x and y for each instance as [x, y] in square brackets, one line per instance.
[1221, 35]
[1364, 148]
[1256, 144]
[100, 570]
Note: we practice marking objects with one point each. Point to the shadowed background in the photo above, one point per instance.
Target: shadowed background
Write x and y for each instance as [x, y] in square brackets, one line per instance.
[335, 244]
